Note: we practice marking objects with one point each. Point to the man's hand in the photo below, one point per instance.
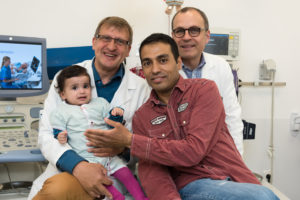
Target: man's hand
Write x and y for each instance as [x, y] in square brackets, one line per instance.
[118, 137]
[105, 151]
[92, 177]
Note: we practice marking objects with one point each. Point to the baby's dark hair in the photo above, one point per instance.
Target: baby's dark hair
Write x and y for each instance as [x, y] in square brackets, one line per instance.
[70, 72]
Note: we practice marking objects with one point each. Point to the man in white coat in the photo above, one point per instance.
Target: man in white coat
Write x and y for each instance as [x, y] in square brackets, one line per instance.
[114, 82]
[191, 33]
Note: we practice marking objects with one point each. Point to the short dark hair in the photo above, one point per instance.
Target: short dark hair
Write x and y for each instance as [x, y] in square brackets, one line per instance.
[70, 72]
[186, 9]
[160, 37]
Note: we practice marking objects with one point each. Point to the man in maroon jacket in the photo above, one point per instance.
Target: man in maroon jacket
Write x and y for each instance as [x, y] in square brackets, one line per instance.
[180, 136]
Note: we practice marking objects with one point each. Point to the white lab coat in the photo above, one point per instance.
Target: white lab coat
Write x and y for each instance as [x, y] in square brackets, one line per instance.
[131, 94]
[218, 70]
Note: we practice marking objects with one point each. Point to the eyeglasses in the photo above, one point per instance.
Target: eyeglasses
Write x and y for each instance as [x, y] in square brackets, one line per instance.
[194, 31]
[108, 39]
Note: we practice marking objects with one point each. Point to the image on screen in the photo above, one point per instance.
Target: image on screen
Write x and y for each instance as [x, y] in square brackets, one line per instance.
[20, 66]
[218, 44]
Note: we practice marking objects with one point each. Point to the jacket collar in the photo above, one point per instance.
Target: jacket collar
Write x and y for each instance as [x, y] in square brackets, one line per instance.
[179, 87]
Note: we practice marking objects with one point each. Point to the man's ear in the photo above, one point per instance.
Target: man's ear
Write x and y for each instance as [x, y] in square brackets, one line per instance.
[179, 63]
[94, 43]
[207, 36]
[129, 48]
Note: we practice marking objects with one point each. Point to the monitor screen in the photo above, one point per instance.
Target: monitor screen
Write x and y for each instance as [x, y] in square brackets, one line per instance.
[218, 44]
[23, 69]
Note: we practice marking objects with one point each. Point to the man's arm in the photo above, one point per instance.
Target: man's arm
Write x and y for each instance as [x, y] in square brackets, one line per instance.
[92, 177]
[156, 181]
[232, 107]
[158, 174]
[187, 152]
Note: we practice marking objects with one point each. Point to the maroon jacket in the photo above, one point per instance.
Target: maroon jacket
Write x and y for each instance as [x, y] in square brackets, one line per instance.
[185, 140]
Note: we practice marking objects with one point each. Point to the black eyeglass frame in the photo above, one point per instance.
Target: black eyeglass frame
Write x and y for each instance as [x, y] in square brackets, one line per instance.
[198, 31]
[117, 41]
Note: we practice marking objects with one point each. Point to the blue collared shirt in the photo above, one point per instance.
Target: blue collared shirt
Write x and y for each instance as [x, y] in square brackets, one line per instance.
[195, 73]
[107, 91]
[70, 159]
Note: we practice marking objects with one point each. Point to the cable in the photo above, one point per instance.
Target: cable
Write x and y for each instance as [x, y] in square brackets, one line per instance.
[8, 174]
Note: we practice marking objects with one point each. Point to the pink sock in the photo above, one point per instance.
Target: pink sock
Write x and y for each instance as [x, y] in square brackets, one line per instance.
[126, 177]
[114, 192]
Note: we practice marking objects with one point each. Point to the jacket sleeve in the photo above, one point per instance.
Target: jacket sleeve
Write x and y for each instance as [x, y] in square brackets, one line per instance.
[155, 178]
[157, 182]
[231, 106]
[201, 137]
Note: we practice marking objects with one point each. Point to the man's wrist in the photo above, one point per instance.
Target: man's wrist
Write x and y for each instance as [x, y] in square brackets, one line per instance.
[68, 160]
[129, 140]
[77, 168]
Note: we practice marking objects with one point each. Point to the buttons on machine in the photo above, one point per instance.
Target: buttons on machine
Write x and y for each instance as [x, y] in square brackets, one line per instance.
[233, 47]
[14, 132]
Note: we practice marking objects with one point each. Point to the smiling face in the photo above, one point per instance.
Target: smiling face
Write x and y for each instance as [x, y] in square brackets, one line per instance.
[160, 68]
[77, 90]
[190, 48]
[108, 54]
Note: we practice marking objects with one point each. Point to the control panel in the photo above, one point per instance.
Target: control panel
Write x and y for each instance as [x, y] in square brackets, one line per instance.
[233, 46]
[18, 126]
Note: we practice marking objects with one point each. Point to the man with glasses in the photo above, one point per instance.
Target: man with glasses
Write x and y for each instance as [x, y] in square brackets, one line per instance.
[112, 81]
[191, 32]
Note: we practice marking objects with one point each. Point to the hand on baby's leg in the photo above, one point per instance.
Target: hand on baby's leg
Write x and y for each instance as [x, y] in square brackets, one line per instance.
[62, 137]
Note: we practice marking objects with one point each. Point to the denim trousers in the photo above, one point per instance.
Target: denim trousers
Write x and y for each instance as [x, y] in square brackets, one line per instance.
[225, 190]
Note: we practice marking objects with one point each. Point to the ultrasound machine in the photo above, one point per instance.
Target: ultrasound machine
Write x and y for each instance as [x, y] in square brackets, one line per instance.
[20, 105]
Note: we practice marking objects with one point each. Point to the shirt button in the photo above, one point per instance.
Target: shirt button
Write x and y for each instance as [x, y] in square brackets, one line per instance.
[163, 135]
[184, 122]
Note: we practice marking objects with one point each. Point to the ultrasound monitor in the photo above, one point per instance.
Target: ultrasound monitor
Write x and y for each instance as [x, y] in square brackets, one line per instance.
[25, 74]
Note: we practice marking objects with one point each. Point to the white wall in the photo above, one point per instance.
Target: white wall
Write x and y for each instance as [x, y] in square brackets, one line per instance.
[269, 29]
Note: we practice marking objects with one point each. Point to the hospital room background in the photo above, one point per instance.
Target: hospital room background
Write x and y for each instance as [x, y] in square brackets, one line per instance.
[268, 29]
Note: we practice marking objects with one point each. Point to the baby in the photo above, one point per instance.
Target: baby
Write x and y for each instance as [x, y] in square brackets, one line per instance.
[79, 112]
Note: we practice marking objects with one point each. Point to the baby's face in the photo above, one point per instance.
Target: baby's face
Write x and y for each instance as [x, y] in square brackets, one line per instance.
[77, 90]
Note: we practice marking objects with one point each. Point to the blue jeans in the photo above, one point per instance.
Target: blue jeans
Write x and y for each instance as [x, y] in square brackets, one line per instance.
[224, 190]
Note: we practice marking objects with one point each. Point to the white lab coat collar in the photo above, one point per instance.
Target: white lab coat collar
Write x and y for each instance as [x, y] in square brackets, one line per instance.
[122, 95]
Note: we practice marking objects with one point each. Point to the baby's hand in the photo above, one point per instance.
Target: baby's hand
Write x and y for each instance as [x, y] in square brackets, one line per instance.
[62, 137]
[117, 111]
